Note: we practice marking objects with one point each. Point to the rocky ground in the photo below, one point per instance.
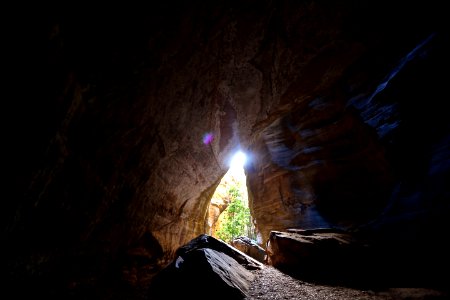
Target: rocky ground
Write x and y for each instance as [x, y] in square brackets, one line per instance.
[273, 284]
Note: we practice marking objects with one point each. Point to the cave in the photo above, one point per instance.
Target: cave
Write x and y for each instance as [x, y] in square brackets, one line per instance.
[118, 126]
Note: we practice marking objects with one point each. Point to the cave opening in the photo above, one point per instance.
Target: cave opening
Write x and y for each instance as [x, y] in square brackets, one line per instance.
[229, 214]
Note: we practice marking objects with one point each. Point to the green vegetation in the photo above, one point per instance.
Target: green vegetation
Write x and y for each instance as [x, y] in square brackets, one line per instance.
[236, 217]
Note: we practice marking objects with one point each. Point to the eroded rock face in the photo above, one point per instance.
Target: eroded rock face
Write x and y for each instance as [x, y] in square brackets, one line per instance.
[317, 167]
[339, 157]
[106, 157]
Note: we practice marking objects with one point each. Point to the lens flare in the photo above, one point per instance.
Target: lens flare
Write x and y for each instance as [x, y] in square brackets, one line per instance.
[208, 138]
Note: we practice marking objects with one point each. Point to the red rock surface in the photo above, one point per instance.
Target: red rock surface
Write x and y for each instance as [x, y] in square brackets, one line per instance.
[106, 168]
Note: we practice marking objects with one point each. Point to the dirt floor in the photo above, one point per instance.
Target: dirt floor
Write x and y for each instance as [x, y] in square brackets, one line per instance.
[273, 284]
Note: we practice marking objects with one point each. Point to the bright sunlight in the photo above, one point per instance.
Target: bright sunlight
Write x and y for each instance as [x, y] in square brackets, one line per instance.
[237, 166]
[229, 214]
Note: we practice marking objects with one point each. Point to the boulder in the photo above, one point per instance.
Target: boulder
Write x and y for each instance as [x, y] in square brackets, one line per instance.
[325, 254]
[206, 241]
[198, 270]
[249, 247]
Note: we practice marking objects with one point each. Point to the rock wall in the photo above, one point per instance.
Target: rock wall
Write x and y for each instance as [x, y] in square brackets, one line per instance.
[329, 154]
[318, 168]
[105, 149]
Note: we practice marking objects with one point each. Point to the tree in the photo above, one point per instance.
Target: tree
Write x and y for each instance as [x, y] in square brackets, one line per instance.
[236, 217]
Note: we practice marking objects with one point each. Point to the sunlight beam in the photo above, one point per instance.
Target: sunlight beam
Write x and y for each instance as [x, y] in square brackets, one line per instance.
[238, 160]
[237, 166]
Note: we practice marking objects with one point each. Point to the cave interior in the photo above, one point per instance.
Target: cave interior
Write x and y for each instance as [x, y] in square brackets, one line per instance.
[119, 125]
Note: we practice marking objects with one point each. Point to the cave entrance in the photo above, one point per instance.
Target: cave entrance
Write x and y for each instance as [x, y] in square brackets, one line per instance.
[229, 213]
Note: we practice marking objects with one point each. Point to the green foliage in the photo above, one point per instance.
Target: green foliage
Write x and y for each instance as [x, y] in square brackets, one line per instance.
[236, 217]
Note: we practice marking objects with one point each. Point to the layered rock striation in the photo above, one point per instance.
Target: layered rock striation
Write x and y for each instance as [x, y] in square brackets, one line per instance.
[120, 126]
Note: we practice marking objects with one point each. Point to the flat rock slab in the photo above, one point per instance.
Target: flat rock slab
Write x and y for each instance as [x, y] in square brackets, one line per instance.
[323, 254]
